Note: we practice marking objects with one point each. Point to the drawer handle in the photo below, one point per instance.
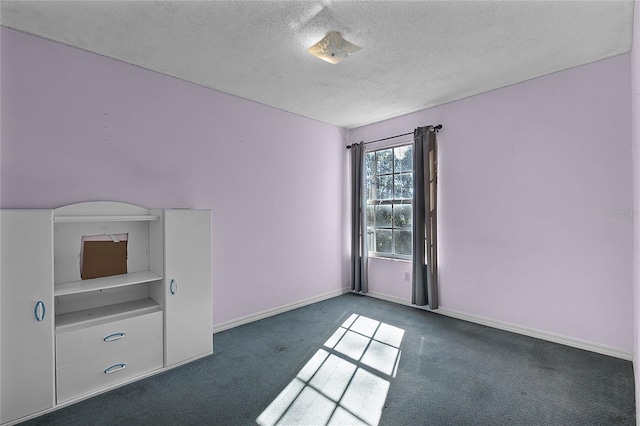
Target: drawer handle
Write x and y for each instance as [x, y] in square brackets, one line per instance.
[114, 368]
[173, 286]
[113, 337]
[39, 311]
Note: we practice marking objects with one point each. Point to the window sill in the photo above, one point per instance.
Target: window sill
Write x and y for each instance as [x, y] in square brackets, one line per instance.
[392, 258]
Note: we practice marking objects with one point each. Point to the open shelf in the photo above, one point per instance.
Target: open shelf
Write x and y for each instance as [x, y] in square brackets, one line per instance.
[107, 218]
[103, 314]
[104, 283]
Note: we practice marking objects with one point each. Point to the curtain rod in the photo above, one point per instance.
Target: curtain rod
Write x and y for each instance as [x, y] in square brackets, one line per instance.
[436, 128]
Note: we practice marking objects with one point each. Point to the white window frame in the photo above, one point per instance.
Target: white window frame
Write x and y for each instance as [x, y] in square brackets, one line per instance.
[379, 147]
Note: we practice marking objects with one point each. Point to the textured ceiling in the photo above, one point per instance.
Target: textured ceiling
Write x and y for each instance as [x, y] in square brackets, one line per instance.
[414, 54]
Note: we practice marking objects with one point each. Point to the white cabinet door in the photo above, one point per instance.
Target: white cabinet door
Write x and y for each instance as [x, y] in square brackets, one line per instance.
[26, 314]
[188, 312]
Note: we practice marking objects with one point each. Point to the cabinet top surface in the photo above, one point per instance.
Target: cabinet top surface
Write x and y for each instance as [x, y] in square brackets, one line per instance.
[100, 208]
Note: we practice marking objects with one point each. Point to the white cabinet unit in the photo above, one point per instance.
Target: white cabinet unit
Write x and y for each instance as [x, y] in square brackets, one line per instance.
[104, 331]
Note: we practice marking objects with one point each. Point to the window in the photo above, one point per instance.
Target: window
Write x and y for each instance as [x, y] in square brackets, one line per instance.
[389, 192]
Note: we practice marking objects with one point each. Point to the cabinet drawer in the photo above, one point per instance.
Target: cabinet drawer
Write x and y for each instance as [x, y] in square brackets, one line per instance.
[92, 342]
[99, 373]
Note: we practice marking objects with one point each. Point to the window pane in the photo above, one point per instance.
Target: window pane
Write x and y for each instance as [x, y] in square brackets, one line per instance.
[384, 161]
[403, 242]
[371, 239]
[369, 162]
[369, 188]
[403, 185]
[403, 158]
[385, 187]
[384, 243]
[383, 216]
[370, 217]
[402, 214]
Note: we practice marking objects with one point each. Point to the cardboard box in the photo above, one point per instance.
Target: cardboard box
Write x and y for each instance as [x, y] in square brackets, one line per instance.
[103, 259]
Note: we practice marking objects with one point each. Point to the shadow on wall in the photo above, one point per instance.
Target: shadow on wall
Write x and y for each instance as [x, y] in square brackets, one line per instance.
[345, 382]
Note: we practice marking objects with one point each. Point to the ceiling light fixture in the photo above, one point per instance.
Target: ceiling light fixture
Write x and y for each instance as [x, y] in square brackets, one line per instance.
[333, 48]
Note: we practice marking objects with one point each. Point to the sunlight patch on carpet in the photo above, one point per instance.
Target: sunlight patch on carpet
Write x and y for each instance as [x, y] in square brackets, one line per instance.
[345, 382]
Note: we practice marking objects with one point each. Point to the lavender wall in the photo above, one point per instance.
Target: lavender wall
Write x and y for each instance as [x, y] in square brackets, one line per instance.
[635, 109]
[527, 173]
[80, 127]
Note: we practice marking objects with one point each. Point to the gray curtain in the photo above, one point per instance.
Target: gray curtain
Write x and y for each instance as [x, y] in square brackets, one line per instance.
[425, 255]
[359, 250]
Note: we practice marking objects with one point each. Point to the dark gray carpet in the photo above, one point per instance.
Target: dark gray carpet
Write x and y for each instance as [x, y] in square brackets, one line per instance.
[450, 372]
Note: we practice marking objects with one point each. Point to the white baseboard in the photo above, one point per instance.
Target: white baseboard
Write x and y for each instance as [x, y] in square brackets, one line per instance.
[489, 322]
[539, 334]
[275, 311]
[519, 329]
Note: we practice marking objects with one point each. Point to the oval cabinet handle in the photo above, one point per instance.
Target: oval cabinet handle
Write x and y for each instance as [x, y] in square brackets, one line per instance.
[114, 368]
[39, 311]
[173, 286]
[113, 337]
